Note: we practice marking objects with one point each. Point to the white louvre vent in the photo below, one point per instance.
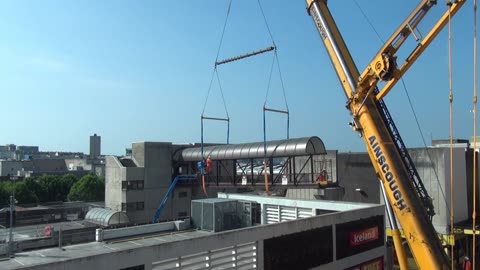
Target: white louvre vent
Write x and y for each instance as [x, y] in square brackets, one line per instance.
[240, 257]
[278, 213]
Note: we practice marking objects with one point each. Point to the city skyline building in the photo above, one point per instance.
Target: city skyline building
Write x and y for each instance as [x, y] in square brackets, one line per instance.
[95, 146]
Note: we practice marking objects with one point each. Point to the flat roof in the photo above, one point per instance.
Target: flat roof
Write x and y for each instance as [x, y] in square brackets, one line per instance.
[164, 245]
[53, 255]
[337, 206]
[32, 231]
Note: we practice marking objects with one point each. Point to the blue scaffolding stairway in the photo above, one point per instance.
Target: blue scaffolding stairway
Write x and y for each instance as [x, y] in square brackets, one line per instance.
[179, 178]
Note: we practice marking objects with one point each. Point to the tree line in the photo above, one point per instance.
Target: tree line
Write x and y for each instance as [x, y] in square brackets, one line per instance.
[48, 188]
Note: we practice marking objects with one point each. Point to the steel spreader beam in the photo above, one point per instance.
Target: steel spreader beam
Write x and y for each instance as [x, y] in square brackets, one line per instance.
[239, 57]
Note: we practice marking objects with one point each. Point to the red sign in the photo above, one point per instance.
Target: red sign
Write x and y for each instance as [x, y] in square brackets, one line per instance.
[363, 236]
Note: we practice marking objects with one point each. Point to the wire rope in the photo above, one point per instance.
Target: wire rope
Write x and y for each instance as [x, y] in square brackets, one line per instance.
[221, 94]
[474, 213]
[275, 59]
[208, 92]
[223, 30]
[450, 101]
[269, 81]
[369, 21]
[215, 74]
[424, 142]
[281, 80]
[266, 23]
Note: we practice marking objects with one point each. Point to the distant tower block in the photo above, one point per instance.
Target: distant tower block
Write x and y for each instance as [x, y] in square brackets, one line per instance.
[95, 146]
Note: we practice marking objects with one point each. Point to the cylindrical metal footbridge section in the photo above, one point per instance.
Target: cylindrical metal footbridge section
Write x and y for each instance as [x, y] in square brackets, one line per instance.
[280, 148]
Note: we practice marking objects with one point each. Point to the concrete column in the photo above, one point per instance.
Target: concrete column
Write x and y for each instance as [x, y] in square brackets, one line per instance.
[260, 262]
[263, 216]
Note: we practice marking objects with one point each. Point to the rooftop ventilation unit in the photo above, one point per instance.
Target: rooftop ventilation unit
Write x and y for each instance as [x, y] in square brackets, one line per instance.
[218, 215]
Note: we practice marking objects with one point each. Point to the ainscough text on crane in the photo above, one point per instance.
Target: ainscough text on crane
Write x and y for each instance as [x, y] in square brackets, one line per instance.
[387, 174]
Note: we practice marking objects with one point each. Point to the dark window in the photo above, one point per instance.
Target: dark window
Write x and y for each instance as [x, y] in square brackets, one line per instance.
[182, 214]
[134, 185]
[182, 194]
[131, 206]
[124, 185]
[303, 250]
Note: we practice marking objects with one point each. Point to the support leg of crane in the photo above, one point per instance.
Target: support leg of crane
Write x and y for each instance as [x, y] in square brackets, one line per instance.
[397, 238]
[399, 249]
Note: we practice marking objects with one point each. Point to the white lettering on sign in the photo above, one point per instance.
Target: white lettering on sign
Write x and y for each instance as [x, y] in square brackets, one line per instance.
[363, 236]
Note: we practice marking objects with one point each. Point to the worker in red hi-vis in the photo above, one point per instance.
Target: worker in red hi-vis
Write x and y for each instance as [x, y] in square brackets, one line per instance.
[209, 164]
[467, 265]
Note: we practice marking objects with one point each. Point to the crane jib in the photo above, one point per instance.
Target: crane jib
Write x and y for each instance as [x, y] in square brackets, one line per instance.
[387, 174]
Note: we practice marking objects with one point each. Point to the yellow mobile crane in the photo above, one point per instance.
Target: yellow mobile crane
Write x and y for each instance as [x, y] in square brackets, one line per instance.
[403, 187]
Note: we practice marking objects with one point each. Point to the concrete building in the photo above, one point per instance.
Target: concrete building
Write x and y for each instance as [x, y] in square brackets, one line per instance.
[8, 151]
[10, 167]
[36, 167]
[456, 143]
[319, 235]
[27, 168]
[95, 146]
[96, 165]
[433, 166]
[358, 180]
[137, 184]
[13, 152]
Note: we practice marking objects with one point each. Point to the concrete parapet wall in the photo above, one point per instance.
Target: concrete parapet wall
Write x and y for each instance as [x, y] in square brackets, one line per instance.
[102, 235]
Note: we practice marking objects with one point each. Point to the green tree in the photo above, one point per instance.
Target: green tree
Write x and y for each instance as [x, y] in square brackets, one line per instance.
[4, 194]
[69, 179]
[55, 188]
[32, 183]
[23, 194]
[88, 188]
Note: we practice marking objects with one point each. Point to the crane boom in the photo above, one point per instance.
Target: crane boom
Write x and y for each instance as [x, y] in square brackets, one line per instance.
[389, 156]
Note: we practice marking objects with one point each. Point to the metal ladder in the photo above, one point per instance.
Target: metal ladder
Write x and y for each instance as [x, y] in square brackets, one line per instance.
[407, 160]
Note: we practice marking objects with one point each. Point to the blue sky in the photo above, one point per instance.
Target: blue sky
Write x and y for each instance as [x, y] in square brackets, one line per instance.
[140, 70]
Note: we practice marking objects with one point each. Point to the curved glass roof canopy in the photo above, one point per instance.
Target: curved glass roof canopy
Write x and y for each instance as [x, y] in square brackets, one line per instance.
[106, 217]
[281, 148]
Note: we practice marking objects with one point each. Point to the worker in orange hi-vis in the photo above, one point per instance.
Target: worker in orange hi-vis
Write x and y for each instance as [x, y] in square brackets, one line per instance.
[467, 265]
[209, 164]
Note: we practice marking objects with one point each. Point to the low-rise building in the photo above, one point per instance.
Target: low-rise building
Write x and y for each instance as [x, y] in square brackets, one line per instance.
[301, 234]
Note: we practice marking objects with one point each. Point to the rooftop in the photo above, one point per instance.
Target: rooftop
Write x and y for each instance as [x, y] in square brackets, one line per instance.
[164, 245]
